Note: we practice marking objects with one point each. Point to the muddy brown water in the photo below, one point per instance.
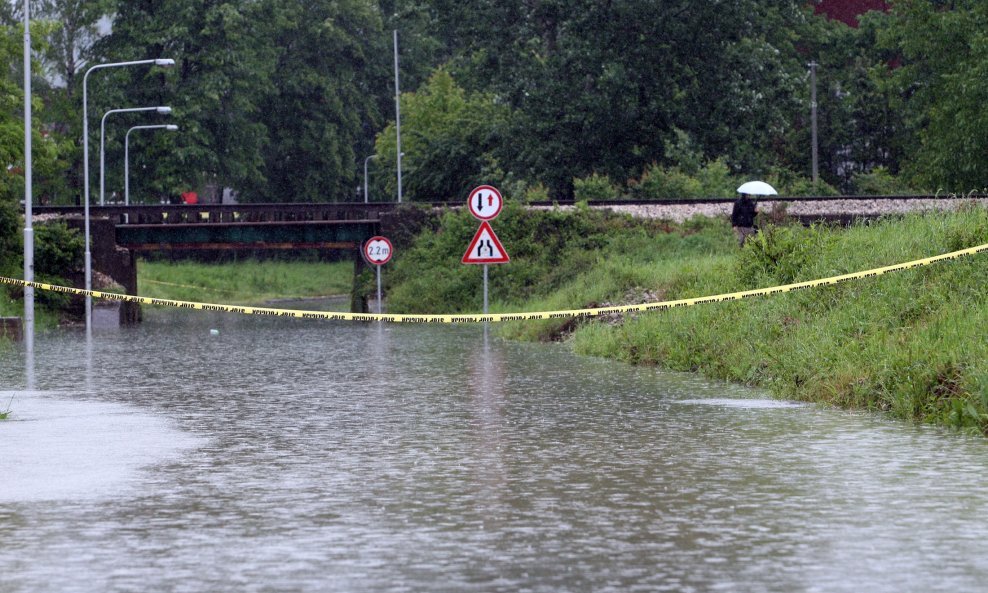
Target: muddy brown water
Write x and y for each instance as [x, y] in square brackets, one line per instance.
[287, 455]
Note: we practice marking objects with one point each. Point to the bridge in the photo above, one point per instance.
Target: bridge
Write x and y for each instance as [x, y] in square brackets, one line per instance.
[345, 225]
[145, 228]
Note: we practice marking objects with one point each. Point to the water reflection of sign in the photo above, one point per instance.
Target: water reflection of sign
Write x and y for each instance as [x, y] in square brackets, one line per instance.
[378, 250]
[485, 202]
[485, 248]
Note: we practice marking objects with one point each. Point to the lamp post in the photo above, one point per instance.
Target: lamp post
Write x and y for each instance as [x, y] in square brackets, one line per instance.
[169, 127]
[85, 167]
[373, 156]
[102, 135]
[28, 198]
[397, 117]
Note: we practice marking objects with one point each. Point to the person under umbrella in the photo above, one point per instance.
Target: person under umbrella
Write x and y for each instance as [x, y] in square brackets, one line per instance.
[745, 209]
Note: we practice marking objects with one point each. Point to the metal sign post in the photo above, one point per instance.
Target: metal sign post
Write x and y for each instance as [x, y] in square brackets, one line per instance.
[378, 251]
[485, 203]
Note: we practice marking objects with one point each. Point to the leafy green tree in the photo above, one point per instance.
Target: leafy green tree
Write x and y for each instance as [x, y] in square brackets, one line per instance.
[601, 86]
[274, 97]
[331, 67]
[69, 42]
[224, 62]
[941, 83]
[46, 151]
[448, 137]
[858, 128]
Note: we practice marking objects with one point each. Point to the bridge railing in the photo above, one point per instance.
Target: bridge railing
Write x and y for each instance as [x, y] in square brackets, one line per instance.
[225, 213]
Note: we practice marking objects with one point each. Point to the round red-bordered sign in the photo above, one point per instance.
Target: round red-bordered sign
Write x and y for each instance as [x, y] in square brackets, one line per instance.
[378, 250]
[485, 202]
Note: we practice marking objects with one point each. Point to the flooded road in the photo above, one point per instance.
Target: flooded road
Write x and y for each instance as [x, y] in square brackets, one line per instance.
[213, 452]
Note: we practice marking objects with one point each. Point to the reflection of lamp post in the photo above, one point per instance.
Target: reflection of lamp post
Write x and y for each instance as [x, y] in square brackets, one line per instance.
[85, 168]
[169, 127]
[373, 156]
[102, 136]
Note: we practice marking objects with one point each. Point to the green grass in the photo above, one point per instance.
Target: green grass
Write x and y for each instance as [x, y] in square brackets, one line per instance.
[243, 283]
[910, 343]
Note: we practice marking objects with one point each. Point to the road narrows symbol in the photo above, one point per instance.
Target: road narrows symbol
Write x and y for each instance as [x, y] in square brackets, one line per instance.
[485, 248]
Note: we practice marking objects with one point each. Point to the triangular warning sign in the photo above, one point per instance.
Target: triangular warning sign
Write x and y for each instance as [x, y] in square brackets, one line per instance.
[485, 248]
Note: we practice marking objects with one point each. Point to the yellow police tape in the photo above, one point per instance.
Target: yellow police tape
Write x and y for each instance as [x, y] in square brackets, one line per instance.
[497, 317]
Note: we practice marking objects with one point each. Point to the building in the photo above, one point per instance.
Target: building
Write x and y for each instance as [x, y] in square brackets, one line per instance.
[848, 11]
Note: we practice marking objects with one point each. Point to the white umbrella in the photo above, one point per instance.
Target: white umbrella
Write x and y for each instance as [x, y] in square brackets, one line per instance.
[757, 188]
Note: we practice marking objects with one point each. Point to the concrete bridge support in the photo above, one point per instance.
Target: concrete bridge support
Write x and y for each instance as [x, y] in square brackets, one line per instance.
[111, 263]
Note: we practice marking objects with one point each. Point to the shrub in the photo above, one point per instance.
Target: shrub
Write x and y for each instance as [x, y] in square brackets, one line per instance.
[658, 183]
[11, 238]
[879, 182]
[712, 180]
[595, 187]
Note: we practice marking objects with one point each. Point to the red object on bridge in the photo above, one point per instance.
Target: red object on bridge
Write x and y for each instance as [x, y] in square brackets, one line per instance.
[190, 197]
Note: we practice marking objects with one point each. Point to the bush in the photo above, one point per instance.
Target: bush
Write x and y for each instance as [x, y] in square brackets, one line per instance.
[548, 249]
[879, 182]
[595, 187]
[665, 183]
[788, 183]
[57, 250]
[712, 180]
[11, 238]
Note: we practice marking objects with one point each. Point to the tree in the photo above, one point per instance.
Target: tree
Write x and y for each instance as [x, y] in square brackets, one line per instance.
[859, 130]
[448, 137]
[324, 96]
[69, 42]
[47, 149]
[601, 86]
[942, 87]
[224, 62]
[273, 97]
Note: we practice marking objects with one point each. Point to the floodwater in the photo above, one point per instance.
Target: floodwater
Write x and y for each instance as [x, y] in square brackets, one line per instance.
[215, 452]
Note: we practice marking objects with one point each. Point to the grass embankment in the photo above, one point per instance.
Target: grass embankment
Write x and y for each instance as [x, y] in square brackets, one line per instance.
[910, 343]
[245, 282]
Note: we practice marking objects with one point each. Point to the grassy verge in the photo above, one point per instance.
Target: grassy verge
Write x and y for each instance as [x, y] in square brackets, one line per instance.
[909, 343]
[243, 283]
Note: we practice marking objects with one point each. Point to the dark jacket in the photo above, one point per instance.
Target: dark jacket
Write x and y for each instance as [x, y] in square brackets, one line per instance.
[743, 213]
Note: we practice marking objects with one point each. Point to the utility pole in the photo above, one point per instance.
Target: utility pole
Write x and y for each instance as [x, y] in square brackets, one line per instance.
[398, 116]
[816, 171]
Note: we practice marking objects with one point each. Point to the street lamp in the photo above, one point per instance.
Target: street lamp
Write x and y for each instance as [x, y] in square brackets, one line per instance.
[373, 156]
[102, 135]
[85, 167]
[169, 127]
[397, 117]
[28, 198]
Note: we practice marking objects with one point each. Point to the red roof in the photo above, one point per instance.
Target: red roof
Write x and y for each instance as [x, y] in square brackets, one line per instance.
[848, 11]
